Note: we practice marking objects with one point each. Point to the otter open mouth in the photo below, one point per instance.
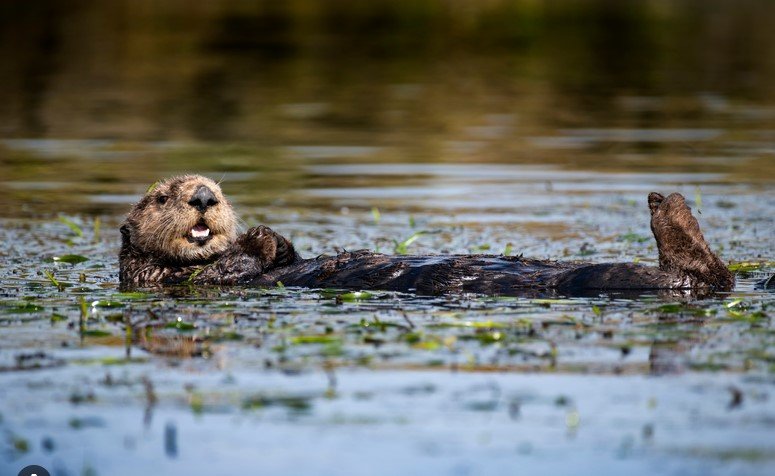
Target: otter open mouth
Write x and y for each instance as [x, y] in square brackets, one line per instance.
[200, 234]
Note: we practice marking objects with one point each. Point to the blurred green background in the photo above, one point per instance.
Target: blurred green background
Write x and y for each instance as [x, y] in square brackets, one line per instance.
[235, 86]
[395, 71]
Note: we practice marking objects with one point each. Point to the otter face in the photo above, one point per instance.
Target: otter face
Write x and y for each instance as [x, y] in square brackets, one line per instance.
[182, 219]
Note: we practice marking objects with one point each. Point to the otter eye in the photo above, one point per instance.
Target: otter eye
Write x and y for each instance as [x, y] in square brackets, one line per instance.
[162, 199]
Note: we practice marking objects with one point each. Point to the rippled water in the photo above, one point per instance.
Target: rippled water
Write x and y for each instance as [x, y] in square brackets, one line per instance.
[544, 144]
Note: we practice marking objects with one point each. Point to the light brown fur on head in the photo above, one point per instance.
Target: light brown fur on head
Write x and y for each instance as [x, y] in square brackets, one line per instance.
[161, 223]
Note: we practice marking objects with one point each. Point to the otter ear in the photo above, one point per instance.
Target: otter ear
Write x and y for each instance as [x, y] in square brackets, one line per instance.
[126, 232]
[655, 199]
[126, 235]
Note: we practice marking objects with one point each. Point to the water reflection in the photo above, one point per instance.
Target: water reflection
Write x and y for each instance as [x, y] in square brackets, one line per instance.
[390, 70]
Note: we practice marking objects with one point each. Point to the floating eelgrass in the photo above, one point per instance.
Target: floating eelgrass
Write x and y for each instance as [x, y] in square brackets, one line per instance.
[400, 248]
[698, 199]
[296, 403]
[50, 276]
[97, 224]
[354, 296]
[106, 303]
[72, 225]
[180, 325]
[634, 238]
[69, 259]
[748, 266]
[27, 307]
[316, 339]
[95, 333]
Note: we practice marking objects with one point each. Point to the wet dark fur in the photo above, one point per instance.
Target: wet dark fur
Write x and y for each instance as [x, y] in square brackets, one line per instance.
[262, 257]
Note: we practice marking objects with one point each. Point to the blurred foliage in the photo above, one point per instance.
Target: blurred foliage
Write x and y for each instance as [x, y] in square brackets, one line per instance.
[143, 89]
[220, 70]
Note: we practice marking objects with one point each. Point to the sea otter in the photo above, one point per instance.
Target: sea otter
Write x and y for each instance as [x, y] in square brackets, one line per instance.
[184, 230]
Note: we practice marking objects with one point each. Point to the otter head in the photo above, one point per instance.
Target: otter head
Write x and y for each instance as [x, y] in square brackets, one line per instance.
[182, 219]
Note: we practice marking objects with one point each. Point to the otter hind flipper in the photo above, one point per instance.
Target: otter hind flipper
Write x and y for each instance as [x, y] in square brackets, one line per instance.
[682, 246]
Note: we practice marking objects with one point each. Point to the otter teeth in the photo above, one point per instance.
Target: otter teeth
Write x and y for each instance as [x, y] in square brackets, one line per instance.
[200, 231]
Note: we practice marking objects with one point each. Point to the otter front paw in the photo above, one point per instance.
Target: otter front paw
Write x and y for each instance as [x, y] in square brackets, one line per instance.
[271, 248]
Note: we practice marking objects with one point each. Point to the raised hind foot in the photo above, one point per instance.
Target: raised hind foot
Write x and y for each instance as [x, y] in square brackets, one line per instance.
[682, 248]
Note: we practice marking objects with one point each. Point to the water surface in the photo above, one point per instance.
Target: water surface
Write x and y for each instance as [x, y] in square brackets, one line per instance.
[506, 127]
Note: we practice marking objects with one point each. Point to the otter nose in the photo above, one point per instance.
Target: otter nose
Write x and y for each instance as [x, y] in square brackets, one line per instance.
[203, 198]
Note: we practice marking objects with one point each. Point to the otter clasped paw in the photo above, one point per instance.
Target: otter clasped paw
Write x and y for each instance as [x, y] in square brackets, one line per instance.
[272, 249]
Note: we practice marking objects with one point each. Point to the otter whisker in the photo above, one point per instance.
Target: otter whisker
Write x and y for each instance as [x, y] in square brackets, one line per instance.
[242, 224]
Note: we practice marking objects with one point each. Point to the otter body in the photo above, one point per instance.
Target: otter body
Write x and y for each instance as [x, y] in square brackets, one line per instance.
[184, 230]
[456, 274]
